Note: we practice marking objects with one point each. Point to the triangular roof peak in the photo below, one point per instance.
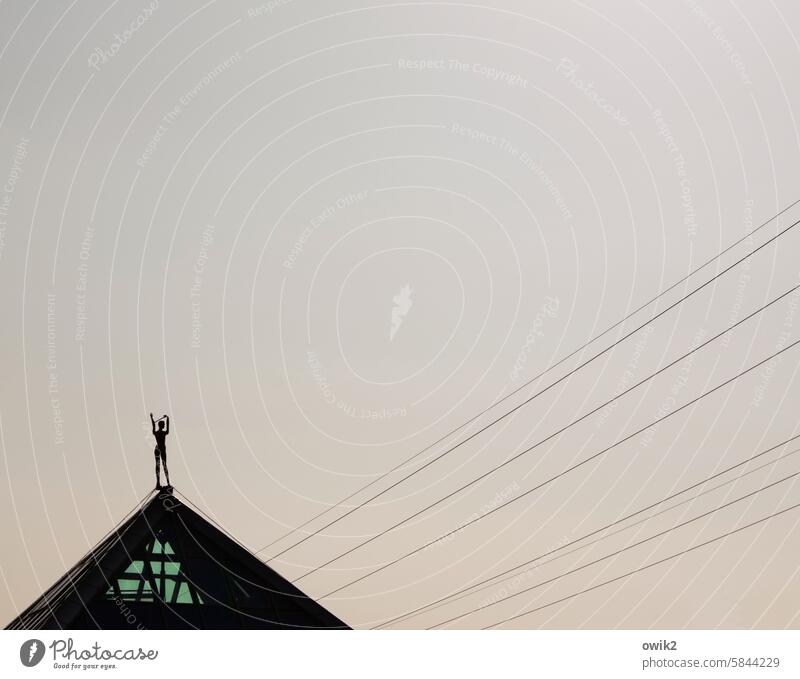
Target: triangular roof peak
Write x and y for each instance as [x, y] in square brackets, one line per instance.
[167, 567]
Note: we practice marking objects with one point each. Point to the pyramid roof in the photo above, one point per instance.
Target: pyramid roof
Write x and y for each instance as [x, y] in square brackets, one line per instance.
[167, 567]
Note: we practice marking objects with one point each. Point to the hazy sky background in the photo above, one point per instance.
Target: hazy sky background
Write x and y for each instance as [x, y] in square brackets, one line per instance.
[215, 214]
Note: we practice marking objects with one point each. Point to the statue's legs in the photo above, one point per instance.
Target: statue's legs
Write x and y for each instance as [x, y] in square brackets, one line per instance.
[158, 467]
[164, 461]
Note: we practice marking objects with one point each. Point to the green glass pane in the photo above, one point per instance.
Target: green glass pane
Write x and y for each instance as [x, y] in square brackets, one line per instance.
[184, 596]
[126, 585]
[157, 577]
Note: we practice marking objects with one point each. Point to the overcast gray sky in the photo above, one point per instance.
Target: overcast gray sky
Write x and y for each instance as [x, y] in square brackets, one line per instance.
[322, 235]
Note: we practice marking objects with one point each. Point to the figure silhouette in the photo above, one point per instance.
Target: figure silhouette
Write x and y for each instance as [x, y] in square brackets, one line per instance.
[161, 447]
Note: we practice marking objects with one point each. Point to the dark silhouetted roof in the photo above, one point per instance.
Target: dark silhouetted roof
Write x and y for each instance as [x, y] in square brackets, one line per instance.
[166, 567]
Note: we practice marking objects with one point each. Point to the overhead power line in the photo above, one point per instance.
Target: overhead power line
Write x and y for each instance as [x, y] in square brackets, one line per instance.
[511, 459]
[645, 567]
[510, 573]
[497, 402]
[552, 478]
[527, 401]
[622, 550]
